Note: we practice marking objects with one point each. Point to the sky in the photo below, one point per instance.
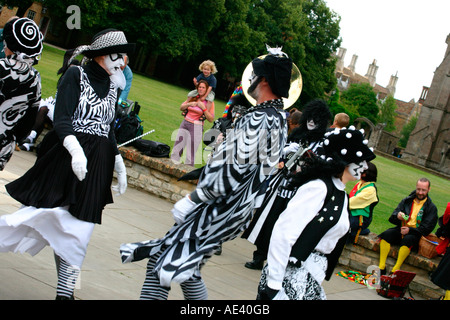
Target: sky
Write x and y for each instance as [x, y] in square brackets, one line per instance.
[405, 37]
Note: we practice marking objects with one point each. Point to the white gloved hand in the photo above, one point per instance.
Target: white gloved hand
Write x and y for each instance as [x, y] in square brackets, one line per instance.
[79, 160]
[121, 171]
[182, 208]
[291, 148]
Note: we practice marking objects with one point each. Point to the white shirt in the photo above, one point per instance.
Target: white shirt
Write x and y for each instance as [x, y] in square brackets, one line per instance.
[301, 209]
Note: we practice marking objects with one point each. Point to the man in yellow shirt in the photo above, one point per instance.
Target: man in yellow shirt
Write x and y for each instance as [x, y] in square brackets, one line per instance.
[414, 217]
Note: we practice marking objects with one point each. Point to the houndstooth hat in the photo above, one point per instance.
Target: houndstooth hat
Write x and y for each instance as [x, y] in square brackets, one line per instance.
[109, 41]
[103, 43]
[22, 36]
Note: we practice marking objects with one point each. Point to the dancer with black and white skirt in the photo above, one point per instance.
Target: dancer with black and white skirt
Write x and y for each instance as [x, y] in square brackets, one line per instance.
[66, 190]
[310, 233]
[20, 84]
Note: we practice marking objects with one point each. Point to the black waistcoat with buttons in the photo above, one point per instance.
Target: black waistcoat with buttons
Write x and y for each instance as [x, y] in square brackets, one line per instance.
[325, 219]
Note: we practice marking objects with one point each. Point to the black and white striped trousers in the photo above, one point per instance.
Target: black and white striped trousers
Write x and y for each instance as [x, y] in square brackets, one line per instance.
[193, 289]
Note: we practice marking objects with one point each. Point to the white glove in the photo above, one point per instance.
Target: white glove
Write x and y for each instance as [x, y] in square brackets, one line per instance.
[121, 171]
[291, 148]
[79, 160]
[182, 208]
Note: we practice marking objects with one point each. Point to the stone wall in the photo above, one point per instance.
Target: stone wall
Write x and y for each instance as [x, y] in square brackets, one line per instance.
[366, 252]
[159, 176]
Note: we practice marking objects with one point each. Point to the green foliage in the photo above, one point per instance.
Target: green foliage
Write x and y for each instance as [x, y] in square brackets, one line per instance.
[406, 132]
[336, 107]
[321, 40]
[387, 113]
[360, 99]
[231, 33]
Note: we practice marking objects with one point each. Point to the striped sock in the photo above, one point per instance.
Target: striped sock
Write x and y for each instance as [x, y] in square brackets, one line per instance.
[152, 289]
[67, 278]
[194, 289]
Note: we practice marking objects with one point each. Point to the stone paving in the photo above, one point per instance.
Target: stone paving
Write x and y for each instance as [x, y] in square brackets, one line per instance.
[134, 216]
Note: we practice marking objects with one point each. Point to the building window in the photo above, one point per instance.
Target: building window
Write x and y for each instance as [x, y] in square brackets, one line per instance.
[31, 14]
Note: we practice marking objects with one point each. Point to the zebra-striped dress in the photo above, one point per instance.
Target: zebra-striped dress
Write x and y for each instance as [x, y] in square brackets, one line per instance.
[228, 188]
[85, 107]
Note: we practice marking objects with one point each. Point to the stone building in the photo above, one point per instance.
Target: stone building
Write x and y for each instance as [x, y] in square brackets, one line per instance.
[382, 141]
[429, 141]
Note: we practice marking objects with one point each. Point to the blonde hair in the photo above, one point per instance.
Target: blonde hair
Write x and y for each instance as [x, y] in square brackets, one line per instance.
[210, 64]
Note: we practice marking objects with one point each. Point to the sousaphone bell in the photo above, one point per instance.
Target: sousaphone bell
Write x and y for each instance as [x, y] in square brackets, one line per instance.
[295, 89]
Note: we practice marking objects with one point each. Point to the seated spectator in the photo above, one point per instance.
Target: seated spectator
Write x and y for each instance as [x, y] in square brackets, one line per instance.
[414, 217]
[363, 199]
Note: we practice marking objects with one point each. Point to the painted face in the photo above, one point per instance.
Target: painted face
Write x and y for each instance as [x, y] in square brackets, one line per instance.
[114, 62]
[254, 81]
[356, 169]
[311, 125]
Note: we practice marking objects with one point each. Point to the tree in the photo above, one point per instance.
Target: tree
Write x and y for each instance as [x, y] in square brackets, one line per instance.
[182, 33]
[336, 107]
[361, 99]
[387, 113]
[406, 132]
[321, 40]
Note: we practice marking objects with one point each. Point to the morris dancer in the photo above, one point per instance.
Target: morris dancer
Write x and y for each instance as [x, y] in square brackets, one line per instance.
[221, 206]
[66, 190]
[309, 136]
[20, 84]
[309, 235]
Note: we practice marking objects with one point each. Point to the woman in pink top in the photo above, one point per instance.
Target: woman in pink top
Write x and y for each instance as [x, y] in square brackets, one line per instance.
[190, 132]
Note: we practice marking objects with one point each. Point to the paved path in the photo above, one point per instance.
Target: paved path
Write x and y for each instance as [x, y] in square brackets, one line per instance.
[134, 216]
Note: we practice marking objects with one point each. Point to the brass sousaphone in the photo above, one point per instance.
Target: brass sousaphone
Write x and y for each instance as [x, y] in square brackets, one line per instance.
[294, 90]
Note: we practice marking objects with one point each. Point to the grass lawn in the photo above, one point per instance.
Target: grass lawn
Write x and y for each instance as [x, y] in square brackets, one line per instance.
[160, 104]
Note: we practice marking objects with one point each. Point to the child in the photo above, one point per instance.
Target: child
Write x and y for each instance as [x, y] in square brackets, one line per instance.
[208, 69]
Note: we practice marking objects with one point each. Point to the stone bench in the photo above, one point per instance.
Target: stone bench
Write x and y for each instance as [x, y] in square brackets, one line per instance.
[366, 252]
[158, 176]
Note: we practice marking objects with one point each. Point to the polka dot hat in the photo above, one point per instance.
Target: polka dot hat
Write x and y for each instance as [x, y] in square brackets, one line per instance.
[347, 144]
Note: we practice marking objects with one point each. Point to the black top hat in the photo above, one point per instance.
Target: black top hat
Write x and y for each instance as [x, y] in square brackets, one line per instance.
[277, 69]
[22, 35]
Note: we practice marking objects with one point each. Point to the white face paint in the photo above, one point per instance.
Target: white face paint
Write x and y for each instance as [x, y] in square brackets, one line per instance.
[253, 90]
[311, 125]
[356, 169]
[114, 61]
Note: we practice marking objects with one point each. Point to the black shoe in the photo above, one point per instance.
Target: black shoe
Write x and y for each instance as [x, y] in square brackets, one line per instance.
[218, 251]
[64, 298]
[27, 144]
[383, 272]
[255, 264]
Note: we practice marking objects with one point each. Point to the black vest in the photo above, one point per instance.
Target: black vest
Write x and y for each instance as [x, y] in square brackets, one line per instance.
[324, 220]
